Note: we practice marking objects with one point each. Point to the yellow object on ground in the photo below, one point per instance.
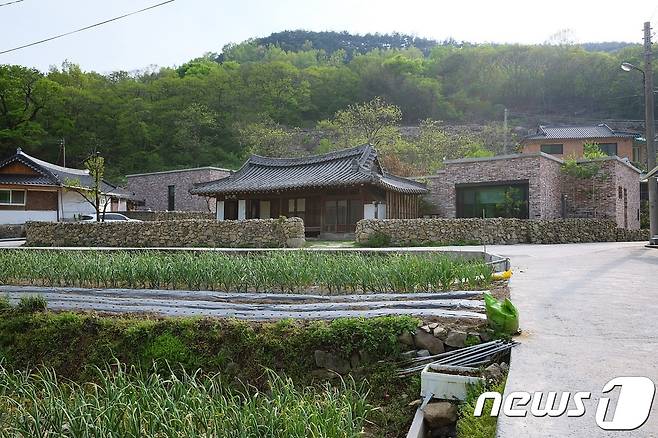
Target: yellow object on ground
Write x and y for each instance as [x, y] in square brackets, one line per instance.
[502, 275]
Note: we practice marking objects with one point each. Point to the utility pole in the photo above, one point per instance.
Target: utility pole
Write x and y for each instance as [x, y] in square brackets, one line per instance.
[650, 129]
[62, 144]
[505, 129]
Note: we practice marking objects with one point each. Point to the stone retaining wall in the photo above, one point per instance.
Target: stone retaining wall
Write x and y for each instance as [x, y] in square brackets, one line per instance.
[254, 233]
[168, 215]
[12, 231]
[494, 231]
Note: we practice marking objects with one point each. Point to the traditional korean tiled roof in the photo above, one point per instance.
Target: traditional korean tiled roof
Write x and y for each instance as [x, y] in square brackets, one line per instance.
[343, 168]
[577, 132]
[49, 174]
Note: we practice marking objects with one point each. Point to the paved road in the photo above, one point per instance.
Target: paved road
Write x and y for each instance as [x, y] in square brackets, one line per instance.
[589, 314]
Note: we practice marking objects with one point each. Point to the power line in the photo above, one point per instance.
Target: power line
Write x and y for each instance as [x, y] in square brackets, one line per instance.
[85, 28]
[11, 3]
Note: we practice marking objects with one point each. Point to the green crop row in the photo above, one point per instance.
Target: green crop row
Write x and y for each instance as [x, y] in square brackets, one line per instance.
[280, 271]
[155, 404]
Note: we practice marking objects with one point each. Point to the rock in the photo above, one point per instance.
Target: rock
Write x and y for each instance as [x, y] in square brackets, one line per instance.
[433, 325]
[504, 368]
[409, 354]
[422, 353]
[425, 328]
[493, 372]
[324, 374]
[406, 338]
[331, 361]
[428, 342]
[456, 339]
[486, 335]
[440, 414]
[440, 332]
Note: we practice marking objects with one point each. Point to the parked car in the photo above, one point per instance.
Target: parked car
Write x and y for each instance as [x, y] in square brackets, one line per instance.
[109, 217]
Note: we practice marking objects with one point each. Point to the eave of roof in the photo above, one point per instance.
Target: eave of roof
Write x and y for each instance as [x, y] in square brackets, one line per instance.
[344, 168]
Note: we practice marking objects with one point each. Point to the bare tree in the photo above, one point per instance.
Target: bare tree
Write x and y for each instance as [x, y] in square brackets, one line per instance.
[92, 194]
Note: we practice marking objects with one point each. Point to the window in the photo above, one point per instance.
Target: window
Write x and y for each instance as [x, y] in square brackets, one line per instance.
[608, 148]
[12, 197]
[171, 198]
[297, 208]
[553, 149]
[341, 216]
[496, 200]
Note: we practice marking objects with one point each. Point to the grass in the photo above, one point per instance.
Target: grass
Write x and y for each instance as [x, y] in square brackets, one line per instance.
[281, 271]
[32, 303]
[74, 345]
[138, 404]
[469, 426]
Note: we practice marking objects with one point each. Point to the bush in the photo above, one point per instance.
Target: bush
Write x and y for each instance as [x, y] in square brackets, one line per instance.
[379, 239]
[4, 303]
[33, 303]
[469, 426]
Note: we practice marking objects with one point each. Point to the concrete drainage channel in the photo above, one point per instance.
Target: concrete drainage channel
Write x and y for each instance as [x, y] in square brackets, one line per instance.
[445, 378]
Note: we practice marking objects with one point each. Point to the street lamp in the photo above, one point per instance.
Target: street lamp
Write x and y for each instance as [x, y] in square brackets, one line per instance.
[650, 138]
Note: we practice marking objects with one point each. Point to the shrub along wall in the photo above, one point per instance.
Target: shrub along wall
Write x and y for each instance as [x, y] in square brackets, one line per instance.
[12, 231]
[493, 231]
[254, 233]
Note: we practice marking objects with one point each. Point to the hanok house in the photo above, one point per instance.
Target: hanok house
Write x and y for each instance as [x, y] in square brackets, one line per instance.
[34, 190]
[535, 186]
[330, 192]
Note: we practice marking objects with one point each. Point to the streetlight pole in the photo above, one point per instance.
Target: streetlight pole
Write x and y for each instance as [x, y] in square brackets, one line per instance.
[650, 129]
[650, 133]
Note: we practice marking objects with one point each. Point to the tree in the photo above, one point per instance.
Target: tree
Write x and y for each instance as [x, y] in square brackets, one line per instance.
[373, 122]
[24, 93]
[265, 137]
[93, 194]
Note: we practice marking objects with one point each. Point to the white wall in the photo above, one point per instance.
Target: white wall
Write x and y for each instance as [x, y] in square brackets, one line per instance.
[22, 216]
[75, 204]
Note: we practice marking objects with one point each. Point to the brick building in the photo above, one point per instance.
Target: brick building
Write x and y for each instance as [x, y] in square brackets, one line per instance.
[170, 190]
[534, 186]
[569, 141]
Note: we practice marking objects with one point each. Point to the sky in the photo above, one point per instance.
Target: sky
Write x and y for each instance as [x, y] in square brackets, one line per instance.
[177, 32]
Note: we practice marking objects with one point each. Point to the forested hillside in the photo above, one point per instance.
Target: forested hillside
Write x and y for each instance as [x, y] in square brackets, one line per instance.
[215, 109]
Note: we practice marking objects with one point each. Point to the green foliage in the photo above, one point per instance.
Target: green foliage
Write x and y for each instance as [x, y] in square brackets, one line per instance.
[469, 426]
[191, 115]
[166, 348]
[378, 239]
[131, 403]
[575, 169]
[592, 150]
[285, 271]
[4, 303]
[32, 303]
[266, 138]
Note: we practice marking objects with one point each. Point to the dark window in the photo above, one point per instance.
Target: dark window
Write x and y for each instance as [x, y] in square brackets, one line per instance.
[171, 198]
[297, 208]
[497, 200]
[608, 148]
[231, 210]
[12, 197]
[554, 149]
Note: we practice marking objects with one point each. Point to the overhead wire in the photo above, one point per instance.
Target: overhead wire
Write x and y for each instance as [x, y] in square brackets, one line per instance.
[86, 27]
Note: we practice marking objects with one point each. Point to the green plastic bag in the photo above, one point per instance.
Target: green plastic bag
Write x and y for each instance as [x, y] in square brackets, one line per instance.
[503, 316]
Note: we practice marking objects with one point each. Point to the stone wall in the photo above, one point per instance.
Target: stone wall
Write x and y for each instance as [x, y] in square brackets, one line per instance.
[493, 231]
[153, 188]
[168, 215]
[254, 233]
[11, 231]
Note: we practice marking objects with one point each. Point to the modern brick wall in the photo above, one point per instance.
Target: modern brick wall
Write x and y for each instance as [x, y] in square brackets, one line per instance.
[547, 184]
[154, 188]
[542, 173]
[253, 233]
